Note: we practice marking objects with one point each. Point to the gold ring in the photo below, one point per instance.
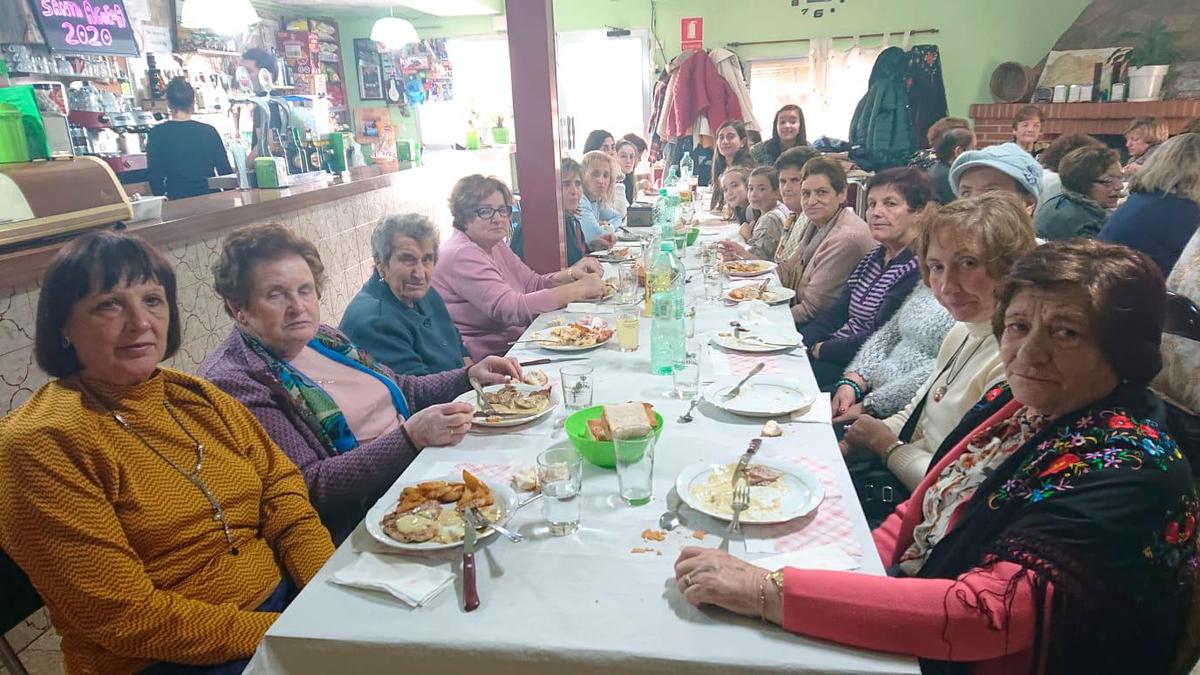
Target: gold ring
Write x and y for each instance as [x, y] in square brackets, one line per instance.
[687, 580]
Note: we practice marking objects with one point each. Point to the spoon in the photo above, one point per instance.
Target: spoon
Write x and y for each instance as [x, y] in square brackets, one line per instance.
[687, 416]
[669, 520]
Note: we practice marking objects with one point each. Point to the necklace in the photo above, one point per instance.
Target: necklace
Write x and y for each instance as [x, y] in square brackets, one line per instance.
[192, 476]
[951, 373]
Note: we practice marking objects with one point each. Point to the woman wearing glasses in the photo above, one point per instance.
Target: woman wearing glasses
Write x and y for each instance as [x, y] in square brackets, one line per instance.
[1092, 182]
[493, 296]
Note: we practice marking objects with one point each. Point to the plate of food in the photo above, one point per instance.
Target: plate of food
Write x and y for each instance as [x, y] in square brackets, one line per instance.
[772, 295]
[611, 284]
[778, 492]
[517, 403]
[614, 255]
[573, 337]
[762, 396]
[428, 515]
[756, 341]
[747, 268]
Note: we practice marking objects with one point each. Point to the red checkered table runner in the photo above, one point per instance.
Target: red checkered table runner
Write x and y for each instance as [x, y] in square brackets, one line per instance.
[829, 524]
[740, 365]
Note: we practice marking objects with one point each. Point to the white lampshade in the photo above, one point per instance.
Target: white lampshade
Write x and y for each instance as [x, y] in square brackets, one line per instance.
[394, 32]
[221, 16]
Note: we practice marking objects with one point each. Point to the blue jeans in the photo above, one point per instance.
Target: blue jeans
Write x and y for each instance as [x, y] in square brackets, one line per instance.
[280, 597]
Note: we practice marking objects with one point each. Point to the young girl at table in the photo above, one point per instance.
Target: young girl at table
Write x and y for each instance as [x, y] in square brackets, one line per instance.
[733, 149]
[764, 226]
[734, 184]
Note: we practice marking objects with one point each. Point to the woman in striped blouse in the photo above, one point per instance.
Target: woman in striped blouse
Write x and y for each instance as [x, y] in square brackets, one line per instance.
[881, 281]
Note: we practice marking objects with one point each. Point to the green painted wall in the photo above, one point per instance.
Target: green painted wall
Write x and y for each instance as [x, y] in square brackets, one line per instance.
[974, 35]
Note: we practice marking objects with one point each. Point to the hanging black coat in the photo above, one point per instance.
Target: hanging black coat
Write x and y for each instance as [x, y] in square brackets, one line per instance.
[926, 91]
[882, 125]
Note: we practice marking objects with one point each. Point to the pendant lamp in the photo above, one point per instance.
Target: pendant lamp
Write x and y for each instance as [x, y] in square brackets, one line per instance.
[393, 32]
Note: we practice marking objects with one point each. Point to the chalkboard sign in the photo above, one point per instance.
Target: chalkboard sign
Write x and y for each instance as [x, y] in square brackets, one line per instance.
[85, 27]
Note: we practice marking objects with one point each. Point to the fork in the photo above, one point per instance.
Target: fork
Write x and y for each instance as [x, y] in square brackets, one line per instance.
[508, 534]
[732, 393]
[484, 404]
[741, 502]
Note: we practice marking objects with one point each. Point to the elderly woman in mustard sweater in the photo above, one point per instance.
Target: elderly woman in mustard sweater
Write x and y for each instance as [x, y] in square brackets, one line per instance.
[152, 513]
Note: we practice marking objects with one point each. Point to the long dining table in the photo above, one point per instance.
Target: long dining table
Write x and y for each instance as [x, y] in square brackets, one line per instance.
[603, 599]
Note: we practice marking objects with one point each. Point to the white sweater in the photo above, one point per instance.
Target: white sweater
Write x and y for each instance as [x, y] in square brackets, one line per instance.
[979, 373]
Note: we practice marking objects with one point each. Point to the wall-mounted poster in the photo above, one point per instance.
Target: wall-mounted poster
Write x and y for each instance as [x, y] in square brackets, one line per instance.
[370, 69]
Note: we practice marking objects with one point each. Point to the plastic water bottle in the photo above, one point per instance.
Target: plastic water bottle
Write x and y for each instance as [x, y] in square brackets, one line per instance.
[672, 179]
[662, 212]
[665, 280]
[687, 168]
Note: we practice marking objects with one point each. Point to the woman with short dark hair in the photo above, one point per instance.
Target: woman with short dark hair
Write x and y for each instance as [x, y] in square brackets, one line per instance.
[1055, 530]
[1027, 128]
[492, 295]
[1092, 182]
[181, 153]
[787, 131]
[951, 143]
[1052, 156]
[350, 424]
[150, 510]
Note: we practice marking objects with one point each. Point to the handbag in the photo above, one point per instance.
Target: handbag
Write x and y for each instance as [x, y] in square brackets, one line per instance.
[879, 491]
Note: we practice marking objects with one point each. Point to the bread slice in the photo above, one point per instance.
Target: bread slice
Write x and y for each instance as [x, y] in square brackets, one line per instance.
[599, 429]
[628, 420]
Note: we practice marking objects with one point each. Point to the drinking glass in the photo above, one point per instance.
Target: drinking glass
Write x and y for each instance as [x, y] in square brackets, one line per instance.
[627, 327]
[713, 283]
[560, 473]
[577, 386]
[628, 282]
[685, 371]
[635, 468]
[689, 322]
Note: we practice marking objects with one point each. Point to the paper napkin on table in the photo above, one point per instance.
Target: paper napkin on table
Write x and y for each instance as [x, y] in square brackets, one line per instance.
[824, 557]
[410, 582]
[589, 308]
[820, 412]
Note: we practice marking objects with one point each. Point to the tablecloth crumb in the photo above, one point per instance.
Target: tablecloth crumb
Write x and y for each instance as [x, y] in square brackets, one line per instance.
[653, 535]
[699, 534]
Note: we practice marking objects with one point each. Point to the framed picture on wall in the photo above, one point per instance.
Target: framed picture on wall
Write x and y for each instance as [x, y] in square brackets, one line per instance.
[370, 69]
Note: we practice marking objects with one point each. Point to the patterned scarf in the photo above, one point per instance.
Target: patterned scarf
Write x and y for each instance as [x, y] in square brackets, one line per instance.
[318, 408]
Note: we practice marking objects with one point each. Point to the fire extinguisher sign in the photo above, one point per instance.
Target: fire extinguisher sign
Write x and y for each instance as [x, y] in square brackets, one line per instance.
[691, 32]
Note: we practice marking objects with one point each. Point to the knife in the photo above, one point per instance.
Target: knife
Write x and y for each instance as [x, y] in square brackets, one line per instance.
[470, 594]
[755, 444]
[542, 362]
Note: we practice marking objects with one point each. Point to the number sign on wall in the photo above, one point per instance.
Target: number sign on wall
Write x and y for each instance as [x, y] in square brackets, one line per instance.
[85, 27]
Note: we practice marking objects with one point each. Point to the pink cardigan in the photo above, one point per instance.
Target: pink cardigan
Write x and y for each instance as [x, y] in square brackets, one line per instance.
[492, 297]
[965, 619]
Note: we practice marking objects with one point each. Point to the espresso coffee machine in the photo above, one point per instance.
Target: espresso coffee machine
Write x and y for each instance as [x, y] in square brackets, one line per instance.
[100, 126]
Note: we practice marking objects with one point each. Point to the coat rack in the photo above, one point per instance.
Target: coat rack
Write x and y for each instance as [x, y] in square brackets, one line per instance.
[920, 31]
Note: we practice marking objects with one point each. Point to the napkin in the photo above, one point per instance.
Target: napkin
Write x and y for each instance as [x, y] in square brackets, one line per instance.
[410, 582]
[752, 312]
[824, 557]
[820, 412]
[589, 308]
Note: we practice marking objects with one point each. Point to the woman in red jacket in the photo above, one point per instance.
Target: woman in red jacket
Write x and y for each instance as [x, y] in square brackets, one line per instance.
[1055, 530]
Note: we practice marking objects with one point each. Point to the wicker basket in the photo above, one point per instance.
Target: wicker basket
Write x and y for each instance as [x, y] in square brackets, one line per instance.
[1012, 82]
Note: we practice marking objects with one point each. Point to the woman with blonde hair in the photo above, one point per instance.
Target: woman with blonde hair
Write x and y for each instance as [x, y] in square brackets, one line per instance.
[1163, 209]
[762, 227]
[1142, 138]
[598, 213]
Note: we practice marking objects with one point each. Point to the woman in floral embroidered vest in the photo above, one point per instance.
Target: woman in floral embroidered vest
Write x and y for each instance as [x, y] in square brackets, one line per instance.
[350, 424]
[1056, 529]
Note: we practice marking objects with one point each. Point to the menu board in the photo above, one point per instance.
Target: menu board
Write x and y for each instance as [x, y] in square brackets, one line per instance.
[86, 27]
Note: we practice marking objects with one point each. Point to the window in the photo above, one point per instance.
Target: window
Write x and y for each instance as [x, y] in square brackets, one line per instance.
[827, 85]
[603, 83]
[482, 89]
[776, 83]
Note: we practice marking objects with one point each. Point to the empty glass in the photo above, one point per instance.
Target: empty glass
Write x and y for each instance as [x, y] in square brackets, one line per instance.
[713, 283]
[577, 386]
[628, 282]
[560, 474]
[635, 468]
[685, 371]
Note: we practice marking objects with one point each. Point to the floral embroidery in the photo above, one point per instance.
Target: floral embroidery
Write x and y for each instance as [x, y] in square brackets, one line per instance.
[1176, 543]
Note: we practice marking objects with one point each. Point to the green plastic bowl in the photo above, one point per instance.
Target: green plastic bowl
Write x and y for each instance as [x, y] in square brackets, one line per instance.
[599, 453]
[693, 235]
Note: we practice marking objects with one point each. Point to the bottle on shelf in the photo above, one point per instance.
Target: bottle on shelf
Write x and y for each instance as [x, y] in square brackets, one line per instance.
[295, 156]
[665, 280]
[156, 88]
[312, 152]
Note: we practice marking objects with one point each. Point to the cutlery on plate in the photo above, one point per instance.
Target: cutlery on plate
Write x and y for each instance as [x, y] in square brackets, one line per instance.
[542, 362]
[470, 592]
[744, 460]
[764, 341]
[732, 393]
[484, 522]
[484, 405]
[741, 502]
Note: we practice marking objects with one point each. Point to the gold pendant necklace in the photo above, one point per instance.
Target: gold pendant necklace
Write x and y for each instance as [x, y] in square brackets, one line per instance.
[940, 392]
[192, 476]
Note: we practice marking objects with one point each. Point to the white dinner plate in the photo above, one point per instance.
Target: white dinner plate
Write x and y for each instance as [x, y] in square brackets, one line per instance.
[506, 420]
[506, 505]
[775, 294]
[762, 396]
[756, 341]
[761, 267]
[794, 494]
[540, 342]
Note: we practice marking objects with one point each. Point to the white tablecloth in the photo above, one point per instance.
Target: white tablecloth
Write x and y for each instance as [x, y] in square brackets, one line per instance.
[587, 603]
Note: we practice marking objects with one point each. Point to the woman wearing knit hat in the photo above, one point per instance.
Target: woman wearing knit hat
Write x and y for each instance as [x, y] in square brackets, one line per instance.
[998, 168]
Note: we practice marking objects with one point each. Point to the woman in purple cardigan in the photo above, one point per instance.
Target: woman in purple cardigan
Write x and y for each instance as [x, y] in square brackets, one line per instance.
[491, 295]
[350, 424]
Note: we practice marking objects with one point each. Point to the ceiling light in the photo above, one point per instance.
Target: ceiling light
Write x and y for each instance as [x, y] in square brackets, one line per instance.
[394, 32]
[221, 16]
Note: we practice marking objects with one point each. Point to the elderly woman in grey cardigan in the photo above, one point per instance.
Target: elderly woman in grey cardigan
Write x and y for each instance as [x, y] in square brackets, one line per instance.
[896, 360]
[350, 424]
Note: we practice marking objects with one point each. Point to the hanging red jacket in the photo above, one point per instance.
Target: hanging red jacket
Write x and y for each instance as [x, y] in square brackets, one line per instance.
[700, 90]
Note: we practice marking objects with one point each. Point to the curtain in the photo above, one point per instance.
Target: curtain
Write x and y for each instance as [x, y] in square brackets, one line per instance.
[838, 79]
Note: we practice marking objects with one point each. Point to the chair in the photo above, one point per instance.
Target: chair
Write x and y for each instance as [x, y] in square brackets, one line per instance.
[1183, 317]
[18, 600]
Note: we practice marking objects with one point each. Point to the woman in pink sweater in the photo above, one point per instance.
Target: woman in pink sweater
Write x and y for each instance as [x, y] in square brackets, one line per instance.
[492, 295]
[1055, 530]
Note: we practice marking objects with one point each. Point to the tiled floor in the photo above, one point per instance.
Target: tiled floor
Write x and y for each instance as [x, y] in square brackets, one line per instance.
[36, 644]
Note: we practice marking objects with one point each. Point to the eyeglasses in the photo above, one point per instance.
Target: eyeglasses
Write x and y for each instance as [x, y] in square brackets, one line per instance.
[487, 212]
